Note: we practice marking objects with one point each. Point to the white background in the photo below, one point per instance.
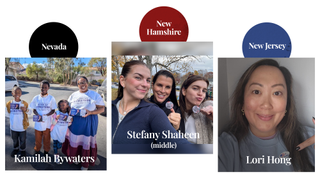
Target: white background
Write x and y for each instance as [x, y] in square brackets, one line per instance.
[98, 23]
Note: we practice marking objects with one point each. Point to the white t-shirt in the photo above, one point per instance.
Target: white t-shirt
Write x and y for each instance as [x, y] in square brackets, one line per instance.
[16, 116]
[87, 100]
[43, 105]
[190, 128]
[59, 131]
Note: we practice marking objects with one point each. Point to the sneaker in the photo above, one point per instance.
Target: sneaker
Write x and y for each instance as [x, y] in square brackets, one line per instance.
[83, 168]
[45, 153]
[36, 153]
[56, 159]
[23, 153]
[14, 152]
[97, 162]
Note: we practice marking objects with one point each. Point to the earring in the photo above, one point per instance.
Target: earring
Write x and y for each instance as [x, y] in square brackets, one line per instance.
[242, 112]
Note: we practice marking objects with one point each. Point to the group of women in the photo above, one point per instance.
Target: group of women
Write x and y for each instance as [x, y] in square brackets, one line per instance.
[263, 113]
[133, 112]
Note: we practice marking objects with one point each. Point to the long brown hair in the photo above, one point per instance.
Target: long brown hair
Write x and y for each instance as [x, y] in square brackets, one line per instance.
[125, 70]
[182, 99]
[289, 127]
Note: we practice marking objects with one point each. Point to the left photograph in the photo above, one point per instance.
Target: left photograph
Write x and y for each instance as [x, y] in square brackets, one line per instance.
[55, 115]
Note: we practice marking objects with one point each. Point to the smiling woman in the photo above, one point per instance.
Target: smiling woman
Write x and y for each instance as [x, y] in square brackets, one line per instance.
[264, 124]
[163, 86]
[131, 113]
[265, 100]
[81, 138]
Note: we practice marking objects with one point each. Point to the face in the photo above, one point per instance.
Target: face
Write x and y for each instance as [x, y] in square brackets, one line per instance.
[63, 106]
[82, 85]
[195, 93]
[265, 100]
[17, 94]
[162, 88]
[137, 82]
[44, 88]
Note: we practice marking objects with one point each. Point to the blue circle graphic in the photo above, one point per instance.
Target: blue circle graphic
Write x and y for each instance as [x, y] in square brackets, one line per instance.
[266, 40]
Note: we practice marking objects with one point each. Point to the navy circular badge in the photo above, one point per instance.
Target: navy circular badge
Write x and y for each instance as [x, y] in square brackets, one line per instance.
[266, 40]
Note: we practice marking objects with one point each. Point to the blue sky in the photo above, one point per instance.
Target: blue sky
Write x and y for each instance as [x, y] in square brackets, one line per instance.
[26, 61]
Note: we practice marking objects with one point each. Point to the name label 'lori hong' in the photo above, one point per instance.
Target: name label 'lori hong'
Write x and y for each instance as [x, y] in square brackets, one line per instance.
[270, 160]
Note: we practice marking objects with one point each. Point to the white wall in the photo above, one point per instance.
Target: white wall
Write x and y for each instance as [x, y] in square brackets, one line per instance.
[303, 74]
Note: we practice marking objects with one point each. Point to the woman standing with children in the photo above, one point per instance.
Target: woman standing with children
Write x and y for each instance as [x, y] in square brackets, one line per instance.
[81, 140]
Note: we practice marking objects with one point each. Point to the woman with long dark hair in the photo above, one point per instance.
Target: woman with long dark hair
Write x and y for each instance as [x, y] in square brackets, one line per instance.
[264, 124]
[132, 114]
[164, 90]
[192, 96]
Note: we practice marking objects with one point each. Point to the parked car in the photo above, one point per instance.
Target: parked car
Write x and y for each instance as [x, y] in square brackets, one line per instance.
[102, 90]
[94, 82]
[11, 82]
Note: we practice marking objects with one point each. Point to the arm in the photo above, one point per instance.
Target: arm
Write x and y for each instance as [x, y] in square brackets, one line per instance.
[35, 112]
[50, 113]
[99, 109]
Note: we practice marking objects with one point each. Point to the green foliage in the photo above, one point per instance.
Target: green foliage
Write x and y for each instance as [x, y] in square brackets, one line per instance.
[100, 63]
[34, 70]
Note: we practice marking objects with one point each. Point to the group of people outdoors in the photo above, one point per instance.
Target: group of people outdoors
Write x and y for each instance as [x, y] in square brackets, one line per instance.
[71, 124]
[133, 111]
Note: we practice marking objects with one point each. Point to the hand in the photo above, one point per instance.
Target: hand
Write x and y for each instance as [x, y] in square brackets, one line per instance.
[24, 109]
[58, 116]
[174, 119]
[208, 111]
[87, 113]
[308, 142]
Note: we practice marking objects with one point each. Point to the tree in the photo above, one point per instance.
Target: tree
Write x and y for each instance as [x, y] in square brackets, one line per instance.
[118, 61]
[34, 69]
[61, 69]
[7, 64]
[100, 63]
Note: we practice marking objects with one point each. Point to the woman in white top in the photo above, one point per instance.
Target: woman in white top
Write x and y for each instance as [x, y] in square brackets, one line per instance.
[81, 139]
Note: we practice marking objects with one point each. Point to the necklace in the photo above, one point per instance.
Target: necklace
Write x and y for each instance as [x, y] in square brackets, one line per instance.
[125, 112]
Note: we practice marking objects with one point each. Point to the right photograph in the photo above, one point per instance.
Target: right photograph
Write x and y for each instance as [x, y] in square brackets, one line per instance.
[266, 114]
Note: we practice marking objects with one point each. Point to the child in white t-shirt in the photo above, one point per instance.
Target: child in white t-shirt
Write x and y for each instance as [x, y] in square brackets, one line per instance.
[17, 110]
[44, 105]
[59, 130]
